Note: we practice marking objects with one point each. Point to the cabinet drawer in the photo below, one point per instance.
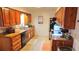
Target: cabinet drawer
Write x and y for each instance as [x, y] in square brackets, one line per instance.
[68, 43]
[16, 42]
[16, 38]
[17, 47]
[59, 42]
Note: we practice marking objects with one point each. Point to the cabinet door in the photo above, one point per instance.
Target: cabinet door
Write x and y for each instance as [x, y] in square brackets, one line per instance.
[16, 42]
[66, 16]
[17, 17]
[1, 19]
[29, 18]
[60, 15]
[33, 31]
[68, 43]
[12, 17]
[25, 19]
[6, 17]
[5, 44]
[28, 35]
[56, 44]
[54, 47]
[70, 17]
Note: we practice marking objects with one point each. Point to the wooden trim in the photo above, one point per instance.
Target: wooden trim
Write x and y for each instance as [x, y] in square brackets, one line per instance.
[58, 9]
[19, 11]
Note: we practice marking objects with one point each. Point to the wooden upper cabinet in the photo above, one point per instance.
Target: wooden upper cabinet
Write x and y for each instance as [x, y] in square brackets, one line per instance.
[1, 18]
[60, 15]
[12, 17]
[26, 19]
[66, 16]
[17, 17]
[70, 17]
[29, 18]
[6, 16]
[10, 43]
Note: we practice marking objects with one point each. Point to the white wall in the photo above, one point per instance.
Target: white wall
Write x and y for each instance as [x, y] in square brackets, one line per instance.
[42, 29]
[75, 33]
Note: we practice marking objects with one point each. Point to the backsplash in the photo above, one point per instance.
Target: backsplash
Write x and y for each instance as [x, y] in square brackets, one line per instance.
[2, 29]
[16, 26]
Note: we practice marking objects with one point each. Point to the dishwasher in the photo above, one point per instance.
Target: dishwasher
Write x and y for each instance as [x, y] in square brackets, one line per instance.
[23, 39]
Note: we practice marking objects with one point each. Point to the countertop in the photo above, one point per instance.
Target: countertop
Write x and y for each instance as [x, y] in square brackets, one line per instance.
[58, 37]
[17, 32]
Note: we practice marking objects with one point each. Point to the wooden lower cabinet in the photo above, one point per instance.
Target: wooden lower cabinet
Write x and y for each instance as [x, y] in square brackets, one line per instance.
[5, 44]
[30, 33]
[16, 42]
[10, 44]
[61, 43]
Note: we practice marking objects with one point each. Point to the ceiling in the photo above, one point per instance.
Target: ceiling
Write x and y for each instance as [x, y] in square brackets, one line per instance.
[41, 8]
[32, 9]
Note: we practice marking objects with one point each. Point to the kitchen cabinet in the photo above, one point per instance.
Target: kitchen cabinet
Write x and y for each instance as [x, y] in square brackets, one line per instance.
[10, 44]
[5, 14]
[61, 43]
[30, 33]
[12, 17]
[66, 16]
[5, 44]
[26, 19]
[29, 18]
[1, 18]
[17, 17]
[9, 17]
[16, 42]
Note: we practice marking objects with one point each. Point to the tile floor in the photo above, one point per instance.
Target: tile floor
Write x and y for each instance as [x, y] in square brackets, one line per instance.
[38, 43]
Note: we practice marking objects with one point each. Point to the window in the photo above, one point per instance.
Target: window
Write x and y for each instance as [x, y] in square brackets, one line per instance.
[22, 19]
[40, 19]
